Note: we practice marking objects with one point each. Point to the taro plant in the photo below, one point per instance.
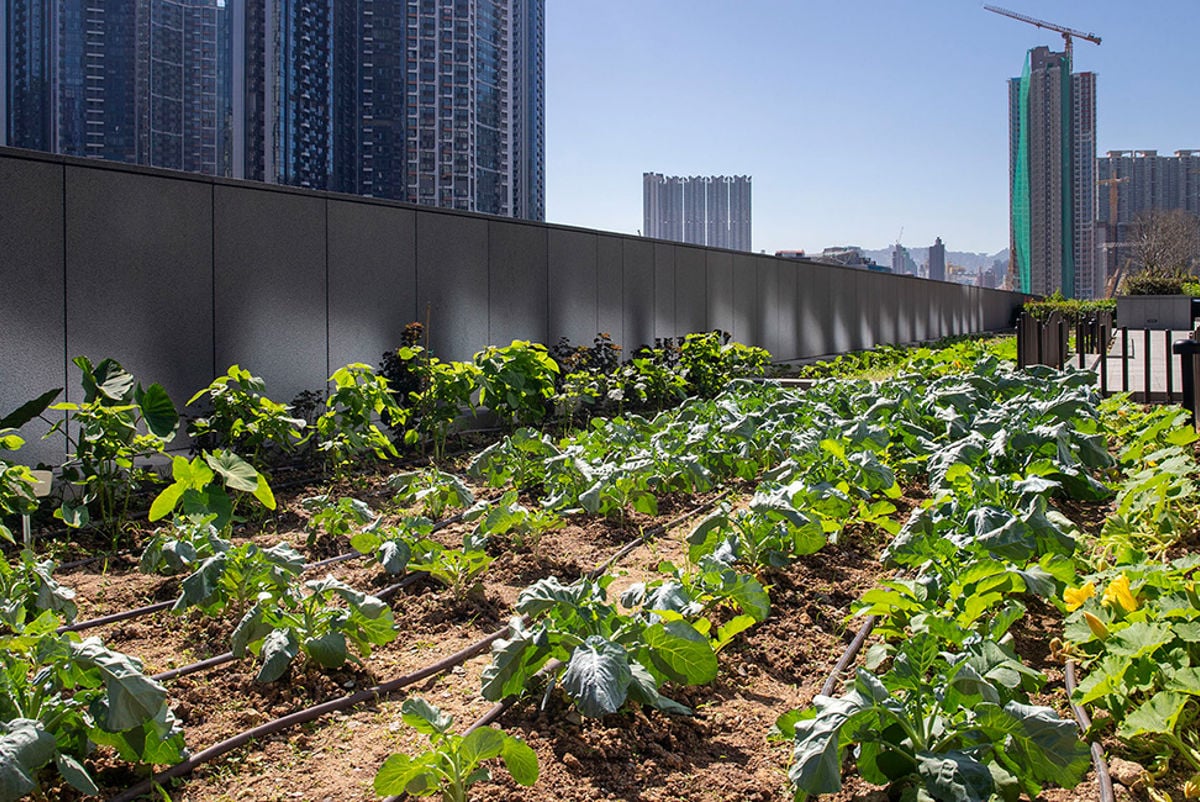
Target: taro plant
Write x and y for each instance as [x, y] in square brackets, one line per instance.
[117, 423]
[516, 381]
[243, 419]
[61, 697]
[279, 628]
[453, 763]
[201, 489]
[348, 429]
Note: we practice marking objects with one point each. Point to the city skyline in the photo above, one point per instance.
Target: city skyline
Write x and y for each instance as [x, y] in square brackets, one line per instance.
[856, 120]
[700, 210]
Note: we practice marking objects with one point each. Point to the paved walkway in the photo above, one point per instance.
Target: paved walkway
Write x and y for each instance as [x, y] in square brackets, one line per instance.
[1139, 359]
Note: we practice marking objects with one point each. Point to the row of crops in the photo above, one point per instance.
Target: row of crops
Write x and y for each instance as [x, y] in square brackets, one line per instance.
[945, 704]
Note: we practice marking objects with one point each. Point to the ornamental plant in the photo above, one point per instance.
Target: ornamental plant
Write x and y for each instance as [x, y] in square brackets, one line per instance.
[243, 419]
[201, 489]
[348, 429]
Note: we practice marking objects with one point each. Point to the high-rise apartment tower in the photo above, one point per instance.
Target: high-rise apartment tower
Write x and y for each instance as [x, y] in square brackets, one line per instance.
[1052, 157]
[439, 102]
[709, 210]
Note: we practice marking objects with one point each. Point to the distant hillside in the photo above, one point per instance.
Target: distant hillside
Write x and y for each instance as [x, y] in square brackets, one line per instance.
[971, 261]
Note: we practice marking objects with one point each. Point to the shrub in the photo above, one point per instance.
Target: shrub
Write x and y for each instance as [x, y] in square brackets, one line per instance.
[516, 381]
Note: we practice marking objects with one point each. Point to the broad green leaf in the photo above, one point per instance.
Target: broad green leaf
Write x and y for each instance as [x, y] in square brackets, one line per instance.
[680, 652]
[482, 743]
[236, 472]
[520, 760]
[598, 676]
[158, 410]
[954, 776]
[329, 650]
[165, 501]
[279, 649]
[74, 773]
[132, 697]
[262, 492]
[29, 410]
[424, 717]
[816, 761]
[1156, 716]
[24, 748]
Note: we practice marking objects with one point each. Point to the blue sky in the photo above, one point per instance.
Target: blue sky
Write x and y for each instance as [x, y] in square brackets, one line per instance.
[855, 118]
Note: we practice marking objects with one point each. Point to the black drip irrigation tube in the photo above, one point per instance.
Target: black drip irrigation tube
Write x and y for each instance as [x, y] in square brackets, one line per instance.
[849, 656]
[374, 692]
[1099, 762]
[137, 612]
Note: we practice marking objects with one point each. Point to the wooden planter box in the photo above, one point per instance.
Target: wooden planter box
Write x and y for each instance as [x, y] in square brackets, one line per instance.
[1169, 312]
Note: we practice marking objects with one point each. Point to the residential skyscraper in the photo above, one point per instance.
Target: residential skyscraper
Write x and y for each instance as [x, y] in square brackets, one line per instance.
[709, 210]
[1052, 154]
[439, 102]
[937, 261]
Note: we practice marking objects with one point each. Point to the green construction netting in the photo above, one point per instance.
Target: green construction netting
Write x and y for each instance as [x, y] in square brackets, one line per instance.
[1068, 195]
[1020, 189]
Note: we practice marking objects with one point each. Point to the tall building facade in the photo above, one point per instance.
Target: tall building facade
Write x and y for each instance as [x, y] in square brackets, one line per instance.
[1134, 183]
[1052, 155]
[708, 210]
[937, 260]
[439, 102]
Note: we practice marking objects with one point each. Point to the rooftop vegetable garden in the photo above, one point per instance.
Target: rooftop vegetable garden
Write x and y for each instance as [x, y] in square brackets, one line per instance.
[657, 577]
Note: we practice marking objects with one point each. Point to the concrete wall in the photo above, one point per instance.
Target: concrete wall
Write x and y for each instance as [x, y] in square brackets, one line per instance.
[178, 276]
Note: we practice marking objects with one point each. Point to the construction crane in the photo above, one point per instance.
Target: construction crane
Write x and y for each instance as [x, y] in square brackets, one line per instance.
[1067, 33]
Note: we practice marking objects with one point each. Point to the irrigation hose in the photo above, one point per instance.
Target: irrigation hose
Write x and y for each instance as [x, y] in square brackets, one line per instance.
[308, 714]
[1103, 778]
[849, 656]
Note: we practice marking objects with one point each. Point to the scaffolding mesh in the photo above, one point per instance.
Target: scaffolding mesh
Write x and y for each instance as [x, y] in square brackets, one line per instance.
[1067, 182]
[1020, 189]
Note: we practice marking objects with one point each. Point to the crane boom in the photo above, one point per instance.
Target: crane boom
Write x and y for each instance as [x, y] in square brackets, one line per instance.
[1066, 32]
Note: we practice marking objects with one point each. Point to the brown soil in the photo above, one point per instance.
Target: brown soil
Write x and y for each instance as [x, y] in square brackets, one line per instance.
[719, 753]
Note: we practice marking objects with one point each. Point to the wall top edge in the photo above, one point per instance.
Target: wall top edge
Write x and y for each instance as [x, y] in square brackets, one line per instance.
[23, 154]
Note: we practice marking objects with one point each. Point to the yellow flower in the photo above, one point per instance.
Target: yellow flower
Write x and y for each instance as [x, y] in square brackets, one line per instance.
[1075, 597]
[1118, 593]
[1096, 626]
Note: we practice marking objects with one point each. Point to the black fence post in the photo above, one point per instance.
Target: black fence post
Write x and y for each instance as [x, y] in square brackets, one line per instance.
[1124, 359]
[1079, 342]
[1146, 364]
[1170, 365]
[1022, 339]
[1187, 350]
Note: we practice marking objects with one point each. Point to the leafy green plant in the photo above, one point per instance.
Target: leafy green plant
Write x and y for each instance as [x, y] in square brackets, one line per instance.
[436, 491]
[184, 544]
[27, 589]
[16, 484]
[233, 579]
[60, 697]
[453, 763]
[1137, 630]
[516, 381]
[243, 419]
[339, 519]
[278, 629]
[442, 391]
[457, 569]
[946, 727]
[197, 494]
[507, 517]
[392, 545]
[709, 361]
[347, 429]
[117, 423]
[606, 657]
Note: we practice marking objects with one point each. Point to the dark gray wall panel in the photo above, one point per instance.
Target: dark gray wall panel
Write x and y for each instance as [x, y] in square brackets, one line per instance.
[816, 310]
[372, 280]
[789, 322]
[517, 280]
[768, 303]
[270, 289]
[33, 358]
[638, 285]
[664, 291]
[139, 277]
[724, 286]
[744, 300]
[452, 282]
[573, 287]
[691, 290]
[889, 290]
[610, 292]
